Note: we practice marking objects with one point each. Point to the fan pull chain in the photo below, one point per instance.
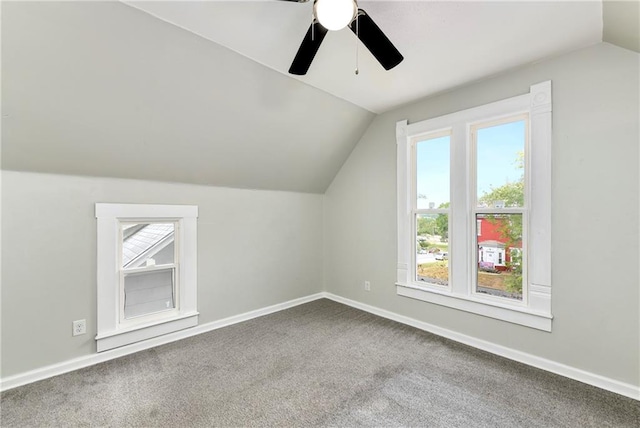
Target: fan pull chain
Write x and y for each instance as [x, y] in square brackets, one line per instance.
[357, 71]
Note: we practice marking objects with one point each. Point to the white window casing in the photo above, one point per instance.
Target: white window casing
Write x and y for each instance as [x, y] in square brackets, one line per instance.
[114, 330]
[534, 310]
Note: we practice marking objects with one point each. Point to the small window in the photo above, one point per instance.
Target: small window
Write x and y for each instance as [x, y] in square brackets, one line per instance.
[146, 271]
[148, 268]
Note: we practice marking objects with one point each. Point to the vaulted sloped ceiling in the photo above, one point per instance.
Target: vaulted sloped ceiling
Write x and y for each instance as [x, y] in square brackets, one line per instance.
[198, 92]
[103, 89]
[445, 43]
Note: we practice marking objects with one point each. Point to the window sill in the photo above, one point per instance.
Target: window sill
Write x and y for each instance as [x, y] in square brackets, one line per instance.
[137, 333]
[516, 315]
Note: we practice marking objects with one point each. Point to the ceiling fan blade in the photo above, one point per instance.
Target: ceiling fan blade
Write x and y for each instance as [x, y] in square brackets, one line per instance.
[308, 48]
[375, 40]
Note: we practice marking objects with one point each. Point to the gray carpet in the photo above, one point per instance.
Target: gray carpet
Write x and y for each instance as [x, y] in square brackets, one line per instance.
[318, 364]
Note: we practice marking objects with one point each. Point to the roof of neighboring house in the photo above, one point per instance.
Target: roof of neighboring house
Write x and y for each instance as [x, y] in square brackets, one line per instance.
[491, 243]
[146, 241]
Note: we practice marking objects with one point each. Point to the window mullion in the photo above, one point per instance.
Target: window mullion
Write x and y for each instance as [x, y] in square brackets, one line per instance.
[458, 229]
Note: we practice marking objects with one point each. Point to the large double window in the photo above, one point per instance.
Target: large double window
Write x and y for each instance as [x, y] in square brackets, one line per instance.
[474, 191]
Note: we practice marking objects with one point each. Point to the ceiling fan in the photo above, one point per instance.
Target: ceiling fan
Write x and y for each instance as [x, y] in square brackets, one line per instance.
[333, 15]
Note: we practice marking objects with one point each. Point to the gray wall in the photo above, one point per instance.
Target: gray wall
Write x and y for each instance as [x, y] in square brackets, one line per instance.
[594, 225]
[621, 23]
[103, 89]
[255, 248]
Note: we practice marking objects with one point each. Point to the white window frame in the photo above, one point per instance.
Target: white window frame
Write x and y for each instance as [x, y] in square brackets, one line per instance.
[113, 329]
[413, 141]
[475, 209]
[534, 310]
[123, 271]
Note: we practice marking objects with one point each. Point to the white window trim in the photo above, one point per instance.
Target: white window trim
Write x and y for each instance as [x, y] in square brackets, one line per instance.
[535, 309]
[113, 333]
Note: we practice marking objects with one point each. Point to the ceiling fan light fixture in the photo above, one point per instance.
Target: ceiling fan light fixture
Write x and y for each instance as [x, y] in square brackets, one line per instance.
[335, 14]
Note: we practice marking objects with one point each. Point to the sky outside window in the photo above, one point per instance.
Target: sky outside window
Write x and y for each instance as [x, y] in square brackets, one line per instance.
[499, 155]
[432, 172]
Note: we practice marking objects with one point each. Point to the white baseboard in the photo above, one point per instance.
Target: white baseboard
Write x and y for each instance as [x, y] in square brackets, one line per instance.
[612, 385]
[626, 389]
[89, 360]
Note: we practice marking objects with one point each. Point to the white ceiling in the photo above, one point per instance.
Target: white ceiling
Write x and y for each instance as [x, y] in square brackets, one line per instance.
[445, 44]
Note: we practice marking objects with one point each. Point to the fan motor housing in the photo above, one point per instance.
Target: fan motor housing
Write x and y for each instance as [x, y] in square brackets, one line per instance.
[335, 14]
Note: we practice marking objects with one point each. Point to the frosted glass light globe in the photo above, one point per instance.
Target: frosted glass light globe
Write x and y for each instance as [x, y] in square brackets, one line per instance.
[335, 14]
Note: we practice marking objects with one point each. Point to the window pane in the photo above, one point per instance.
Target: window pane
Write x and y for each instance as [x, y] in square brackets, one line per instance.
[147, 244]
[148, 292]
[500, 165]
[499, 243]
[432, 173]
[432, 258]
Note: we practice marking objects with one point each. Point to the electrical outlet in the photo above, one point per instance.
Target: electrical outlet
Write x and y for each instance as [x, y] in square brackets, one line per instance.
[367, 286]
[79, 327]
